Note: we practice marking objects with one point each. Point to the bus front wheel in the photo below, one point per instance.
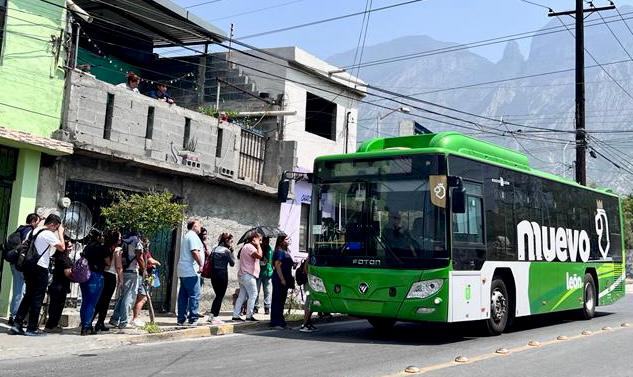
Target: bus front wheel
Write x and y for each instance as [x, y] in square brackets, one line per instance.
[382, 324]
[589, 297]
[499, 307]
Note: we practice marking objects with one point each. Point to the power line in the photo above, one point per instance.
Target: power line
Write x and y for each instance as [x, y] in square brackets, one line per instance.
[256, 10]
[327, 20]
[615, 36]
[203, 3]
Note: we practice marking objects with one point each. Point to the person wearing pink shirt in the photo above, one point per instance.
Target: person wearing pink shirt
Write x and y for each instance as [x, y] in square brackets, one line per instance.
[250, 254]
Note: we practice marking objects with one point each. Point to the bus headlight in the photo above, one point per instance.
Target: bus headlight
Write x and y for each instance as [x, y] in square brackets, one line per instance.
[316, 284]
[425, 288]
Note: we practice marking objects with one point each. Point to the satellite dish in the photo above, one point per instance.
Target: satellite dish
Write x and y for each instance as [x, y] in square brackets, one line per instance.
[77, 221]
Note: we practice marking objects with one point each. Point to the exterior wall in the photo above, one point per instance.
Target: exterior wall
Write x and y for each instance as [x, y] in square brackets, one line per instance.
[31, 98]
[32, 82]
[85, 122]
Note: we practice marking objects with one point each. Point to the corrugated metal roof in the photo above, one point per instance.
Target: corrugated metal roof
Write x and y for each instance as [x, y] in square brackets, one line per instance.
[161, 20]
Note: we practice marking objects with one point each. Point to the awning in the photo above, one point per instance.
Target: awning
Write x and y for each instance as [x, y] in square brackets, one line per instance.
[25, 140]
[162, 21]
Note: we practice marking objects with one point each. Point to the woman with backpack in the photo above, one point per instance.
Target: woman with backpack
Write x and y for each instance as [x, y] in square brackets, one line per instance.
[112, 242]
[220, 258]
[99, 258]
[282, 281]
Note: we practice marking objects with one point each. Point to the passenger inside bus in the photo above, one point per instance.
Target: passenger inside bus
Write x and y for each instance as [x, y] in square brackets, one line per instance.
[397, 237]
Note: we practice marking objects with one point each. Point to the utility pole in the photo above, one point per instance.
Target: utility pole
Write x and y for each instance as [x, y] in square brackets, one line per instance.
[581, 134]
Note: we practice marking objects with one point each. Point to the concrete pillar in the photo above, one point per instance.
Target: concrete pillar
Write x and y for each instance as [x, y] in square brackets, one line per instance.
[23, 197]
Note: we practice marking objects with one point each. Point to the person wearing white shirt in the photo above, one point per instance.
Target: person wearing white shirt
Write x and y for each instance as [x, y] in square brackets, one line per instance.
[132, 82]
[46, 239]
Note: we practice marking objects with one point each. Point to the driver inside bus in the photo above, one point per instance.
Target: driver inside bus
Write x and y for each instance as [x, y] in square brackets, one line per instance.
[398, 238]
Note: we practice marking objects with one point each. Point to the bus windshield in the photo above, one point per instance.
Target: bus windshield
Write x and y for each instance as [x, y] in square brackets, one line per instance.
[378, 214]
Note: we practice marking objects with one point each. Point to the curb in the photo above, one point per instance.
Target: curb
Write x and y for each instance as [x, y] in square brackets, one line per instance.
[208, 331]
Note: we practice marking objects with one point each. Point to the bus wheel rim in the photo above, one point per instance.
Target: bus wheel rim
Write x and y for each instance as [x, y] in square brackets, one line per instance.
[499, 306]
[589, 304]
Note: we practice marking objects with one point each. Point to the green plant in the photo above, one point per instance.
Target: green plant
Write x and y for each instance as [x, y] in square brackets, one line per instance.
[147, 213]
[212, 112]
[151, 328]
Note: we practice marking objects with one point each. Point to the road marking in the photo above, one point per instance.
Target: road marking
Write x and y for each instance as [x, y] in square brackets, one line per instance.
[487, 356]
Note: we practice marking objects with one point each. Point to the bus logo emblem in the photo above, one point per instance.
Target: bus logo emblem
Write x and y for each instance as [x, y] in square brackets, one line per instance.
[602, 228]
[502, 182]
[440, 190]
[363, 287]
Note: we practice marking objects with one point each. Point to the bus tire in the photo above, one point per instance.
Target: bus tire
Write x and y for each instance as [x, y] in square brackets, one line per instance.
[381, 324]
[589, 296]
[499, 307]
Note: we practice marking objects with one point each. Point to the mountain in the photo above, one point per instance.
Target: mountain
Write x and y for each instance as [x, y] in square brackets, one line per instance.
[464, 80]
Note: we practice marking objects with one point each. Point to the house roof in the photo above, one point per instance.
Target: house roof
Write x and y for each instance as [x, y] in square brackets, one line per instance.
[161, 20]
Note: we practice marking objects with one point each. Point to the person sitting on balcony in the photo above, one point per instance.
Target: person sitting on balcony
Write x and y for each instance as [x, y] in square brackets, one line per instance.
[160, 93]
[132, 82]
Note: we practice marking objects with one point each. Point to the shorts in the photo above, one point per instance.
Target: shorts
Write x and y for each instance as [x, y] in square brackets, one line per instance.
[141, 287]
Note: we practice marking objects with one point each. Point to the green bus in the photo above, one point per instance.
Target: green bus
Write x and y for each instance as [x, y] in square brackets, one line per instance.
[447, 228]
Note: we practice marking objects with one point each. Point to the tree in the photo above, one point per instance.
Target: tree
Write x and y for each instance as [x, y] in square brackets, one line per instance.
[147, 214]
[627, 213]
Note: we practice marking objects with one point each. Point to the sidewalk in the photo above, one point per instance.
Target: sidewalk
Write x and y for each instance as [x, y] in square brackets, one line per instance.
[71, 343]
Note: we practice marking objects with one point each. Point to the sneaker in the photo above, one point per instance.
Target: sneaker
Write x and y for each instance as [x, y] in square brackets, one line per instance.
[113, 324]
[138, 323]
[256, 310]
[218, 322]
[238, 319]
[37, 332]
[312, 327]
[194, 323]
[10, 322]
[278, 327]
[252, 319]
[210, 319]
[16, 330]
[305, 328]
[124, 326]
[266, 311]
[180, 323]
[54, 330]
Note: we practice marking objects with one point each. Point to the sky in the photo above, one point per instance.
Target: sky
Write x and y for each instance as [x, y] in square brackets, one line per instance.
[459, 21]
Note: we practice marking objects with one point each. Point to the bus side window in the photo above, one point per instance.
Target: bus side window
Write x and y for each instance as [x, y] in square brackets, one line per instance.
[468, 226]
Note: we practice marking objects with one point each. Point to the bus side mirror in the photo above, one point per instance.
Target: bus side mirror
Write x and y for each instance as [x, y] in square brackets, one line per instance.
[282, 190]
[458, 194]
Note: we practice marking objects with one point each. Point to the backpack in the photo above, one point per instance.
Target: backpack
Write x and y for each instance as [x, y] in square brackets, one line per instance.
[28, 256]
[300, 275]
[126, 244]
[13, 244]
[81, 270]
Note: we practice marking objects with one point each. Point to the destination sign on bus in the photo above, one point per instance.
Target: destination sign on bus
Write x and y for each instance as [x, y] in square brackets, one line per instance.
[373, 167]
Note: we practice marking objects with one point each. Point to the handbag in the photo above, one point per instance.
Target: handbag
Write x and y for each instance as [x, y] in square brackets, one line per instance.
[207, 268]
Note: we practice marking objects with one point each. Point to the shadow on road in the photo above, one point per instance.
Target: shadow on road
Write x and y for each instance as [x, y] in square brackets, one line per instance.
[418, 333]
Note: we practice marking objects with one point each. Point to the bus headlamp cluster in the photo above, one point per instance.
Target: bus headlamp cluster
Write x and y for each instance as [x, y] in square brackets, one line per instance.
[316, 284]
[425, 288]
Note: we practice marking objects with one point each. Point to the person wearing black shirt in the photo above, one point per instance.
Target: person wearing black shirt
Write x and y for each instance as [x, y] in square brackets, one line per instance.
[59, 289]
[98, 257]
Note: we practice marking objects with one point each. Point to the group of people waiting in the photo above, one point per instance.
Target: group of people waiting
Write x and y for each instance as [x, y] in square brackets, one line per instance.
[159, 92]
[113, 262]
[260, 267]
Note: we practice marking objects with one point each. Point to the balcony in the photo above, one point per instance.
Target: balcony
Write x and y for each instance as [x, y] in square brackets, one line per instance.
[103, 119]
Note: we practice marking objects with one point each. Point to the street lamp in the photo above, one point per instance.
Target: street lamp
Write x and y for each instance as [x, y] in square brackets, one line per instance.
[402, 109]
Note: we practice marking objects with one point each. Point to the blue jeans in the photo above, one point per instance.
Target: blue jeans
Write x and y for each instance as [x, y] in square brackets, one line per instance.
[90, 293]
[266, 284]
[18, 290]
[248, 293]
[127, 297]
[188, 299]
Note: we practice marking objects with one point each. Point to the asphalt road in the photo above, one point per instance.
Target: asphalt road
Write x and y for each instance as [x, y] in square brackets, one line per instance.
[352, 348]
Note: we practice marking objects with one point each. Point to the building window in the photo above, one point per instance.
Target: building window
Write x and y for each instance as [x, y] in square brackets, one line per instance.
[107, 127]
[218, 147]
[186, 139]
[303, 228]
[320, 117]
[3, 16]
[149, 130]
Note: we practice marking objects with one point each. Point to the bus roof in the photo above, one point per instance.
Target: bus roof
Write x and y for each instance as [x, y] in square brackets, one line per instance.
[453, 143]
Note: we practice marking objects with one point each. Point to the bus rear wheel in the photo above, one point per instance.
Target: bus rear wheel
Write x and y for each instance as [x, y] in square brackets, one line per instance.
[382, 324]
[589, 297]
[499, 307]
